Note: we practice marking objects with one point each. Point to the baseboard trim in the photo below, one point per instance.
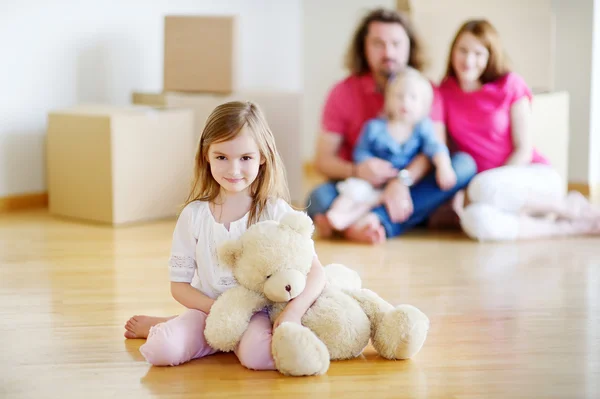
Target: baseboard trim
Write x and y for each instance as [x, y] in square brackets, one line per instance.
[24, 201]
[40, 200]
[583, 188]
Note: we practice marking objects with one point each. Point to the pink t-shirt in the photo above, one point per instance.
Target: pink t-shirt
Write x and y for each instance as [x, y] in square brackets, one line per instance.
[352, 102]
[479, 123]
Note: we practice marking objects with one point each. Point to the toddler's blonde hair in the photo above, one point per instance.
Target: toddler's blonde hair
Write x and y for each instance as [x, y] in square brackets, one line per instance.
[414, 76]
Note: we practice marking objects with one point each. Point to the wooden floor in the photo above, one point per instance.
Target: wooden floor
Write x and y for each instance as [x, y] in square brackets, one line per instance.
[517, 320]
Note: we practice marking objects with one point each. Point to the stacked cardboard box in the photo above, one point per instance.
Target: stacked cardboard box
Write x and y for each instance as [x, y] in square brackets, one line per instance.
[200, 73]
[126, 164]
[118, 165]
[282, 111]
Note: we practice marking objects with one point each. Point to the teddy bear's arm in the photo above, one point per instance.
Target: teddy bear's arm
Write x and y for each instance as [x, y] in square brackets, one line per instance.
[373, 305]
[229, 317]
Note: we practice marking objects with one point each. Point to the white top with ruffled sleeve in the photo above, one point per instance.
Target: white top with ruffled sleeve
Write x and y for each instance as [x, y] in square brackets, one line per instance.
[196, 238]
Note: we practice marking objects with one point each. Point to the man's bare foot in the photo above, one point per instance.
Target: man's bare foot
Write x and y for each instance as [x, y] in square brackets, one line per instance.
[367, 230]
[323, 227]
[139, 326]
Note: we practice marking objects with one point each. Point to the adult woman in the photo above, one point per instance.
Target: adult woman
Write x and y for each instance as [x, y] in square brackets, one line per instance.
[384, 43]
[487, 115]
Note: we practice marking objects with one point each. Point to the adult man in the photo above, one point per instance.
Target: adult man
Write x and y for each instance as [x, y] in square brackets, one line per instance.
[383, 44]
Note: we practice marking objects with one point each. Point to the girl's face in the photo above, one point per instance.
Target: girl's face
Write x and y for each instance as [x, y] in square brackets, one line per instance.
[405, 101]
[469, 58]
[234, 164]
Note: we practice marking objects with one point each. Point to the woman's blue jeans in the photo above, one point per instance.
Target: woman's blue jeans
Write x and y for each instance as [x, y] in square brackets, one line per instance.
[426, 195]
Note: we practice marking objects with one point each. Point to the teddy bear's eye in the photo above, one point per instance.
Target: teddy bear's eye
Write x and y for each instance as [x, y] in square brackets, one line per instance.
[269, 276]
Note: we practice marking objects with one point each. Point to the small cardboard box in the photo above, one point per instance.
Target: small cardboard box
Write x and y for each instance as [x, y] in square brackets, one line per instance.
[282, 109]
[550, 128]
[118, 165]
[199, 54]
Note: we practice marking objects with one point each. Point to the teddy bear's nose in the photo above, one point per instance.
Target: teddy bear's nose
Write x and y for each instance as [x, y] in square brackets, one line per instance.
[288, 288]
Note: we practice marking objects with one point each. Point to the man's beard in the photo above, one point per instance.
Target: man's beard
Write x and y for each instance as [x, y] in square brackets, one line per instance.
[389, 72]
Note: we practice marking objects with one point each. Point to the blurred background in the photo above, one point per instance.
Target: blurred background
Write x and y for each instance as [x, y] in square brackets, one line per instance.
[60, 54]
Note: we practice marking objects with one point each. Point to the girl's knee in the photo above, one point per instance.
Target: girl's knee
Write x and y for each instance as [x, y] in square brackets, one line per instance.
[484, 188]
[483, 222]
[254, 349]
[176, 341]
[162, 348]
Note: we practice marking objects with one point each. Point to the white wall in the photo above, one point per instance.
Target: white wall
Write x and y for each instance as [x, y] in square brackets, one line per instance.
[328, 28]
[573, 62]
[58, 53]
[527, 35]
[595, 107]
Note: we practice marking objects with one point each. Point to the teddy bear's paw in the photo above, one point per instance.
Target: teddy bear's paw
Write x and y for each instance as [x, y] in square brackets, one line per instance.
[297, 351]
[401, 333]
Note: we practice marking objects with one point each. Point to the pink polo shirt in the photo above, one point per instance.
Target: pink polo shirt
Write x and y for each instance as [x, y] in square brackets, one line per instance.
[479, 123]
[352, 102]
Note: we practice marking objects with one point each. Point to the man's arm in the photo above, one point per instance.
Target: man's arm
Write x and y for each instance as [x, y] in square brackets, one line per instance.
[327, 161]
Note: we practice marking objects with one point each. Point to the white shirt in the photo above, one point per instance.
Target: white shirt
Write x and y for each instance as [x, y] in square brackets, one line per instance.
[196, 238]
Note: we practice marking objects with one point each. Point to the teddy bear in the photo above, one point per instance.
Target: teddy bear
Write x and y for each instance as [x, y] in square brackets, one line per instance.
[270, 262]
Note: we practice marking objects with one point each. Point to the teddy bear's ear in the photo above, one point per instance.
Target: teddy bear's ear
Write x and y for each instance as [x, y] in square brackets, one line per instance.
[229, 252]
[299, 222]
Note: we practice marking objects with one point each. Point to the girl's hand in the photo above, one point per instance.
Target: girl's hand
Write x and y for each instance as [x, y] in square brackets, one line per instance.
[288, 314]
[446, 178]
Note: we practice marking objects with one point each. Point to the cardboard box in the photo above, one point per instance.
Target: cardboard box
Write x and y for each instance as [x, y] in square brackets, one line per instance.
[550, 128]
[119, 165]
[283, 111]
[199, 54]
[404, 5]
[527, 30]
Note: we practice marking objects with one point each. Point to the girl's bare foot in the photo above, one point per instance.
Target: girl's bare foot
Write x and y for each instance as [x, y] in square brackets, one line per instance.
[367, 230]
[139, 326]
[323, 227]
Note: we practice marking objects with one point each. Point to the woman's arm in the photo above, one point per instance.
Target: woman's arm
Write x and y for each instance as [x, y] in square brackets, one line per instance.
[298, 306]
[190, 297]
[520, 118]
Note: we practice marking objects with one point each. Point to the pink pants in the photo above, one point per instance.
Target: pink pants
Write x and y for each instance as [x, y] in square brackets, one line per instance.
[181, 339]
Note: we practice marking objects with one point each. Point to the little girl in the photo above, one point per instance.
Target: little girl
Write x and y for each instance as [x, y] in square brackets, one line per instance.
[405, 132]
[239, 180]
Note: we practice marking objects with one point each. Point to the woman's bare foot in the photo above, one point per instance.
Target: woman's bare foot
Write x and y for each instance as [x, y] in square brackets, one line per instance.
[367, 230]
[139, 326]
[323, 227]
[574, 206]
[589, 226]
[579, 207]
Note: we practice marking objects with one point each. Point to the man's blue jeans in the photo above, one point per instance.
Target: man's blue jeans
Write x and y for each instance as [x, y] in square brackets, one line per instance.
[426, 195]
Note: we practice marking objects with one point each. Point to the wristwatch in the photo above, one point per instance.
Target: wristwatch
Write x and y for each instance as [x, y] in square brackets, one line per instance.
[405, 177]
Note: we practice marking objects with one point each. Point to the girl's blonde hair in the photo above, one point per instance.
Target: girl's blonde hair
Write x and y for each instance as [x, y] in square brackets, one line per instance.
[413, 75]
[224, 124]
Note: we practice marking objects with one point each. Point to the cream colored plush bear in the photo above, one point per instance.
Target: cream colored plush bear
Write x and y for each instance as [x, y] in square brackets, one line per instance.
[270, 262]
